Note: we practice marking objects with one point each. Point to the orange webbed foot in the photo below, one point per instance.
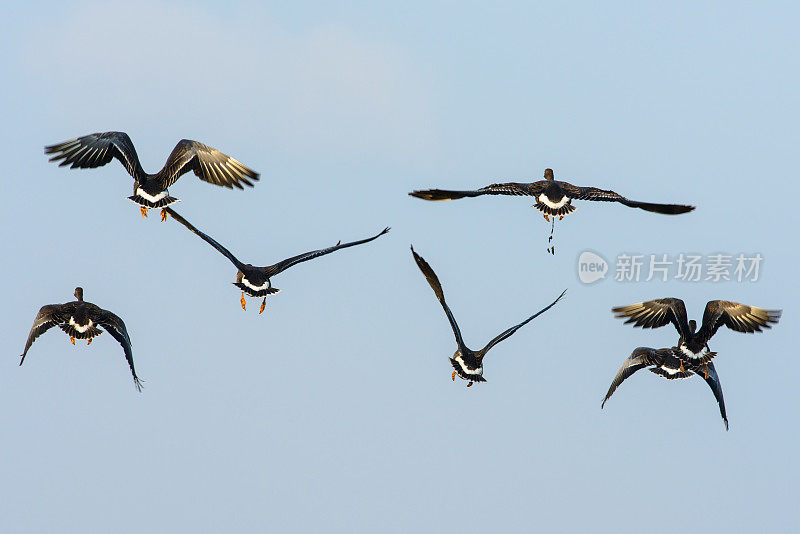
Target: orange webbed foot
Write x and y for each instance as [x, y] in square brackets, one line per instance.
[88, 342]
[561, 218]
[546, 217]
[263, 305]
[144, 211]
[453, 378]
[469, 384]
[244, 307]
[163, 215]
[72, 339]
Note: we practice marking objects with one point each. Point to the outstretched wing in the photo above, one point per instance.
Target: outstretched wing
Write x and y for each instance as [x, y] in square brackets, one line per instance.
[208, 239]
[95, 150]
[272, 270]
[433, 281]
[716, 387]
[116, 327]
[656, 313]
[738, 317]
[508, 333]
[47, 318]
[603, 195]
[208, 163]
[494, 189]
[640, 358]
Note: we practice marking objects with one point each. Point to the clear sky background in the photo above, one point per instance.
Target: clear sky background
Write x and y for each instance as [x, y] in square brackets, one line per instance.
[334, 410]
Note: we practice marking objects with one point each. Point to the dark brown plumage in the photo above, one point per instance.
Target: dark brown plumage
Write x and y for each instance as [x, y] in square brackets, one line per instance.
[255, 281]
[553, 197]
[467, 363]
[667, 364]
[151, 190]
[80, 320]
[693, 345]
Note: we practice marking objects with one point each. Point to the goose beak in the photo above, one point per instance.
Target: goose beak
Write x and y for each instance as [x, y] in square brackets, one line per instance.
[243, 302]
[144, 211]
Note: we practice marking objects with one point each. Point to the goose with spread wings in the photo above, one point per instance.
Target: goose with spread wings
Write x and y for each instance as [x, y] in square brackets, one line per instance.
[668, 364]
[693, 344]
[467, 363]
[553, 197]
[80, 319]
[255, 281]
[152, 190]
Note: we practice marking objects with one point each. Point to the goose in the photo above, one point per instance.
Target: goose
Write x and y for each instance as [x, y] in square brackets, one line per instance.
[667, 363]
[80, 319]
[152, 190]
[256, 281]
[693, 344]
[553, 197]
[467, 363]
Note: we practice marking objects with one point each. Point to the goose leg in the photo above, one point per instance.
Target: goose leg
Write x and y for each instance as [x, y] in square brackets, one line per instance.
[469, 384]
[546, 217]
[72, 339]
[453, 378]
[263, 305]
[88, 342]
[144, 211]
[243, 302]
[163, 214]
[705, 366]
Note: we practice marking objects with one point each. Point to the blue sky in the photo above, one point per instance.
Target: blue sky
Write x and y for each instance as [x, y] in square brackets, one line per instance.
[334, 409]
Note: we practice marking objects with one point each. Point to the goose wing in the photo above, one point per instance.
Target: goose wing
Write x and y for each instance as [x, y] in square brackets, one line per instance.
[95, 150]
[433, 281]
[48, 317]
[205, 237]
[115, 326]
[208, 163]
[716, 387]
[604, 195]
[272, 270]
[640, 358]
[508, 333]
[511, 188]
[656, 313]
[736, 316]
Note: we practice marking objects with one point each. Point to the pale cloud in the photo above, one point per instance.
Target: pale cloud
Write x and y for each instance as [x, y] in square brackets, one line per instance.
[323, 90]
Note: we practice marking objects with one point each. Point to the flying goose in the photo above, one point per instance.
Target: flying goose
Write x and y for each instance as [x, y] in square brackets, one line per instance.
[693, 343]
[467, 363]
[667, 363]
[151, 190]
[553, 197]
[255, 281]
[81, 320]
